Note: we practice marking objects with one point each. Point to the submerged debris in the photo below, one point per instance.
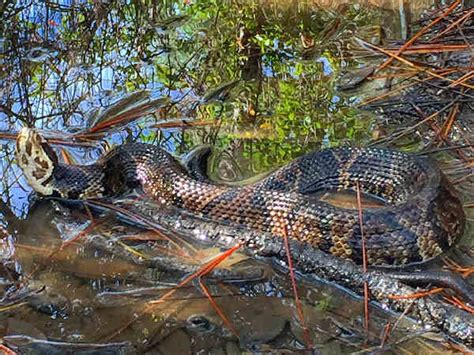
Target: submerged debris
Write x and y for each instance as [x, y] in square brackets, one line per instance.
[28, 345]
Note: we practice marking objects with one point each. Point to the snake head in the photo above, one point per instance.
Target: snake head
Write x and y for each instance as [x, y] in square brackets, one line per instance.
[37, 160]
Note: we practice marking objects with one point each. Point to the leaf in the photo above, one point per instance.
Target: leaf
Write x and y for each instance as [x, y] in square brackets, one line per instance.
[119, 106]
[126, 110]
[208, 254]
[354, 78]
[171, 22]
[219, 93]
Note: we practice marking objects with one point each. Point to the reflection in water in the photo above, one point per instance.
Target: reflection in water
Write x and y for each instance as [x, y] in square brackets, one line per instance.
[257, 81]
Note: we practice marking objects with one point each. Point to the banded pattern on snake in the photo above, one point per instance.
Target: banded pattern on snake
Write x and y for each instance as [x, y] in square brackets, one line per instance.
[422, 217]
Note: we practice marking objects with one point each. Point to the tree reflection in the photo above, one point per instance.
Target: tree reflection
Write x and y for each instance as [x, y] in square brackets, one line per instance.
[64, 61]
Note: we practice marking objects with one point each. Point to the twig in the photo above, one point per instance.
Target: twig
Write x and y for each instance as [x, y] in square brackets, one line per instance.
[364, 259]
[420, 33]
[411, 64]
[299, 309]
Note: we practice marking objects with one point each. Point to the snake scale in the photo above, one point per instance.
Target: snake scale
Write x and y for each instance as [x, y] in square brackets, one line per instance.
[422, 216]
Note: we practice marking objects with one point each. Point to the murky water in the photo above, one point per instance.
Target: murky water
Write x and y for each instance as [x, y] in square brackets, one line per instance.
[262, 83]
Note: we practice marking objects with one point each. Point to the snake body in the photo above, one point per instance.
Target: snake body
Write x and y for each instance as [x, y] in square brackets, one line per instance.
[422, 216]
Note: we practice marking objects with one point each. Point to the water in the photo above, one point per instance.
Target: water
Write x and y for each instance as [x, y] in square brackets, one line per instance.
[259, 83]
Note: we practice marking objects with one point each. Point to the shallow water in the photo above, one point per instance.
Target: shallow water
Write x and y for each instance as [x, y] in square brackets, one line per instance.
[262, 83]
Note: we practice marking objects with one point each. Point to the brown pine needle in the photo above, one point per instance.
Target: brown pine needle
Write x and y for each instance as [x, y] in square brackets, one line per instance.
[145, 237]
[403, 87]
[465, 271]
[413, 65]
[143, 220]
[79, 235]
[450, 121]
[174, 252]
[462, 79]
[452, 25]
[299, 309]
[58, 141]
[433, 126]
[8, 136]
[416, 125]
[364, 259]
[416, 295]
[460, 304]
[463, 178]
[66, 157]
[205, 269]
[386, 333]
[450, 263]
[431, 48]
[420, 33]
[456, 348]
[219, 312]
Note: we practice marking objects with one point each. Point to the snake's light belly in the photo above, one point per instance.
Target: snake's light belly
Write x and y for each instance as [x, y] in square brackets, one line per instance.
[422, 218]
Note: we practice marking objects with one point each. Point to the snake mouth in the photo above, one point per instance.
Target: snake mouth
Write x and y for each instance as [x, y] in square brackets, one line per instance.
[37, 160]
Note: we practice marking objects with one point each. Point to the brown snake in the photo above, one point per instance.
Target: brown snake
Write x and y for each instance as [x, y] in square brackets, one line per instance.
[421, 219]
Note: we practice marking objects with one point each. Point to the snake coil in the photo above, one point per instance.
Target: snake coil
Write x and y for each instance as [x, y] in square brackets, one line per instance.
[422, 217]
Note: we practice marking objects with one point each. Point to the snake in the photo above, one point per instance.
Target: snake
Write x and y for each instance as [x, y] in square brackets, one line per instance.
[421, 217]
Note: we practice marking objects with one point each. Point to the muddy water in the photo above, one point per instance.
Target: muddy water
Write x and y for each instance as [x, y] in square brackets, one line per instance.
[259, 83]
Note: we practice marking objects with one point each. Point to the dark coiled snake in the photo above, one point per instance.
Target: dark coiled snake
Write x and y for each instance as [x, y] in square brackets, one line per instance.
[421, 219]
